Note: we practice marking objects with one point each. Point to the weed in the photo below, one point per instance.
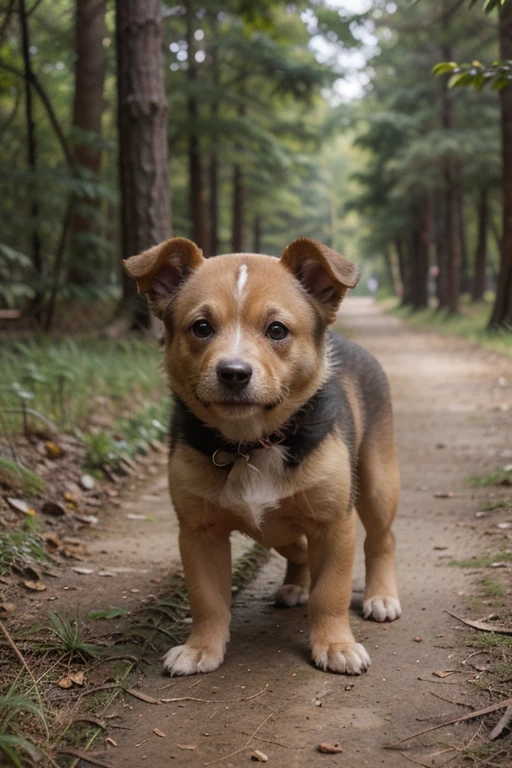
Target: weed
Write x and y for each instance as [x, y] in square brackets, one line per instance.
[70, 637]
[483, 561]
[19, 479]
[11, 742]
[488, 640]
[493, 588]
[497, 477]
[111, 613]
[21, 547]
[490, 506]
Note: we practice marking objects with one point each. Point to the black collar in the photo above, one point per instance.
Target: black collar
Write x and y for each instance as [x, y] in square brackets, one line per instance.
[300, 435]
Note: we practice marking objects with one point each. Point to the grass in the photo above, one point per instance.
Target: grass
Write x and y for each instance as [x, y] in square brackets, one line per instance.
[490, 506]
[492, 587]
[19, 479]
[70, 637]
[495, 477]
[21, 547]
[69, 380]
[12, 744]
[469, 324]
[482, 561]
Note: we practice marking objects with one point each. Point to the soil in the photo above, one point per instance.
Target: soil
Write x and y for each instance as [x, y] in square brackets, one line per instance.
[453, 406]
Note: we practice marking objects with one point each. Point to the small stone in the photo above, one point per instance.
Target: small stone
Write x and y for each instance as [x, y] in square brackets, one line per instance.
[87, 482]
[259, 757]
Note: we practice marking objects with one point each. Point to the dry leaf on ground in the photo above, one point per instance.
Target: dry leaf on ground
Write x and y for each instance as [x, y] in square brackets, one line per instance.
[330, 749]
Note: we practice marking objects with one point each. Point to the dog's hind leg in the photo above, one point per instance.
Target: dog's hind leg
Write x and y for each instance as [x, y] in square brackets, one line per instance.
[295, 588]
[379, 491]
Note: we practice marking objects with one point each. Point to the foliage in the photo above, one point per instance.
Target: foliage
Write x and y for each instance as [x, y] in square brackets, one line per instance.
[20, 547]
[70, 636]
[19, 478]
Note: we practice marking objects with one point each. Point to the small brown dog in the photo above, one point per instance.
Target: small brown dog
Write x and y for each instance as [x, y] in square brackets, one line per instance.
[280, 428]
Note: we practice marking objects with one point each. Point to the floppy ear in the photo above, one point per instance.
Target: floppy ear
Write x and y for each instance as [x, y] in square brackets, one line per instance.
[325, 274]
[161, 270]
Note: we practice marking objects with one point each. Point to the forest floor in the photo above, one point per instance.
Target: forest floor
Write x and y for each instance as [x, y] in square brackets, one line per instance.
[453, 411]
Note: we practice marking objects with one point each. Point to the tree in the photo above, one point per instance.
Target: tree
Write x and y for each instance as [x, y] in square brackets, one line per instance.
[90, 67]
[142, 125]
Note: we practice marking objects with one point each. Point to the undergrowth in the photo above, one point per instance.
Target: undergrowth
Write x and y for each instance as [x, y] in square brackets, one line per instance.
[21, 547]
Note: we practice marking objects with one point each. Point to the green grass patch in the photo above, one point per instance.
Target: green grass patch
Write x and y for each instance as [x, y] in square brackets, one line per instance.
[482, 561]
[488, 640]
[19, 479]
[469, 324]
[495, 477]
[69, 380]
[21, 547]
[492, 587]
[490, 506]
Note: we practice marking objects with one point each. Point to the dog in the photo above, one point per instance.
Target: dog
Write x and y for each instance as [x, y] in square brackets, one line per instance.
[281, 430]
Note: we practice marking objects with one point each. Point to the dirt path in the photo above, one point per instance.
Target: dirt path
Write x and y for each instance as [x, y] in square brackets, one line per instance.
[451, 403]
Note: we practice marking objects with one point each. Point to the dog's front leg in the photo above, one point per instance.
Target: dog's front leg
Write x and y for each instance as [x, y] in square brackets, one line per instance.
[331, 556]
[206, 557]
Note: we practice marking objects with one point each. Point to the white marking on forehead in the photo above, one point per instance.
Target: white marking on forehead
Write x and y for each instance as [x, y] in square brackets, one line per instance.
[242, 279]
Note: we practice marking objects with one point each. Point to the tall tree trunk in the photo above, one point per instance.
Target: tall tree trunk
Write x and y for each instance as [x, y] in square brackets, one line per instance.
[449, 277]
[238, 202]
[386, 255]
[465, 283]
[403, 268]
[214, 163]
[35, 241]
[142, 123]
[421, 256]
[197, 209]
[478, 288]
[502, 310]
[257, 234]
[91, 63]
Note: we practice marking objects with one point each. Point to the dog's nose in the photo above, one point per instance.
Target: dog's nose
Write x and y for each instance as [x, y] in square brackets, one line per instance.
[234, 374]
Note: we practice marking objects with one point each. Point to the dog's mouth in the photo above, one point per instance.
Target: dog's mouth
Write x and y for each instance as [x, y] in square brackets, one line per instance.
[239, 403]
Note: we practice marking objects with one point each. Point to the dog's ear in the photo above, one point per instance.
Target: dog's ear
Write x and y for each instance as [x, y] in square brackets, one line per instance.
[325, 274]
[161, 270]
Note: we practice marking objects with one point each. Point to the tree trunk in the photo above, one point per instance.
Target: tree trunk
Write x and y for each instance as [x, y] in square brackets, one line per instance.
[214, 164]
[142, 123]
[478, 288]
[465, 283]
[403, 268]
[423, 255]
[238, 202]
[257, 234]
[197, 209]
[502, 310]
[91, 63]
[449, 276]
[389, 268]
[35, 241]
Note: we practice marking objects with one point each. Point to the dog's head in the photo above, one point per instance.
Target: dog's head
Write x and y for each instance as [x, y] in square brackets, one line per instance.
[245, 333]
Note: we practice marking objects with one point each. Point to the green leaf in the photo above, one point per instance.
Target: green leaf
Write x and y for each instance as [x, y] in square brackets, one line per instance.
[464, 78]
[443, 67]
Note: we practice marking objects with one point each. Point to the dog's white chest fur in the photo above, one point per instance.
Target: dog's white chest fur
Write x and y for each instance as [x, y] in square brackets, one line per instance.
[255, 485]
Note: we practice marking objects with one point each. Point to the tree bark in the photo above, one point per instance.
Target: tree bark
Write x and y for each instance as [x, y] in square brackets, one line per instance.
[256, 238]
[403, 268]
[90, 68]
[502, 310]
[238, 202]
[35, 241]
[214, 164]
[478, 287]
[465, 283]
[420, 257]
[197, 207]
[142, 124]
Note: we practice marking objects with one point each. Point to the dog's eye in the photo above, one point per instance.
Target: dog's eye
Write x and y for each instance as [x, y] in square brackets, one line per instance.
[277, 331]
[202, 329]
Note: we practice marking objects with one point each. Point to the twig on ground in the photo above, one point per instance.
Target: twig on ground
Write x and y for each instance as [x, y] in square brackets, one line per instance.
[451, 701]
[469, 716]
[85, 756]
[213, 701]
[278, 743]
[502, 725]
[17, 652]
[237, 751]
[482, 625]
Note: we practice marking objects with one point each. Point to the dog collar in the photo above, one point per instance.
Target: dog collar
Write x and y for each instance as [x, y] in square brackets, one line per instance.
[230, 452]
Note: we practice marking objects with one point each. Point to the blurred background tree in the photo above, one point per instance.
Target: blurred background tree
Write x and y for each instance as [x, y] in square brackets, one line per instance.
[262, 122]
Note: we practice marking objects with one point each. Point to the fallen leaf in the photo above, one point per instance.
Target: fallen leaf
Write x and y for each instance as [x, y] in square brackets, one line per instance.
[71, 501]
[53, 509]
[7, 608]
[483, 626]
[53, 450]
[35, 586]
[88, 519]
[142, 696]
[418, 639]
[110, 740]
[135, 517]
[83, 571]
[187, 746]
[330, 749]
[440, 548]
[52, 539]
[443, 672]
[65, 682]
[21, 506]
[112, 613]
[159, 733]
[499, 564]
[106, 573]
[503, 526]
[77, 677]
[259, 757]
[444, 495]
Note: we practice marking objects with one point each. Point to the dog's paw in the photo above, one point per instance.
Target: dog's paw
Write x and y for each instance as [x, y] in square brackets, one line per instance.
[381, 608]
[187, 660]
[290, 595]
[345, 658]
